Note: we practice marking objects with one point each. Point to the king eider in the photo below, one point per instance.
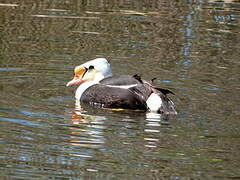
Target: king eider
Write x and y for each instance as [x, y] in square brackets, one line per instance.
[99, 88]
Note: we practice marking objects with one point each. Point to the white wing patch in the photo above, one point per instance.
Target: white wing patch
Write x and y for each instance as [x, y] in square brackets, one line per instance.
[154, 102]
[123, 86]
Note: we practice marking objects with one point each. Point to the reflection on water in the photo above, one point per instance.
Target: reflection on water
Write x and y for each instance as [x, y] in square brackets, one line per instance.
[91, 134]
[191, 47]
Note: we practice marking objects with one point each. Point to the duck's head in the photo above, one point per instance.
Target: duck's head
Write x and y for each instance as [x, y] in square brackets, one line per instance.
[94, 70]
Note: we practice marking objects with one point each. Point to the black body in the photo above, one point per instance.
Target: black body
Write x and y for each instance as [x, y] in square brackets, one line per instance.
[106, 94]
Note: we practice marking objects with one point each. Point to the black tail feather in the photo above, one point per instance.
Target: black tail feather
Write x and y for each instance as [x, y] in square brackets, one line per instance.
[164, 91]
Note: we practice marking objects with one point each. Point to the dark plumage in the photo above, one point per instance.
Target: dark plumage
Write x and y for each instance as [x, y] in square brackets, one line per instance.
[104, 96]
[108, 95]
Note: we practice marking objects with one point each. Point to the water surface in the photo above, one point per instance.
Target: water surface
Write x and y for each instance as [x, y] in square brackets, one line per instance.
[192, 47]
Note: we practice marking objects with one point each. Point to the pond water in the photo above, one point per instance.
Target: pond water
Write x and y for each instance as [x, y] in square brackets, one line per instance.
[192, 47]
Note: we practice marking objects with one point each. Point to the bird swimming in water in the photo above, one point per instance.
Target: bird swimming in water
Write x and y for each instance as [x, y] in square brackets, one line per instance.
[99, 88]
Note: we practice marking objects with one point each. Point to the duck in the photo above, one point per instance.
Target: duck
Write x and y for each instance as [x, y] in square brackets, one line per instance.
[98, 87]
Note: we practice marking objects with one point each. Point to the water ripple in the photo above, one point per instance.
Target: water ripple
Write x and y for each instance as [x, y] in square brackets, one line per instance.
[21, 121]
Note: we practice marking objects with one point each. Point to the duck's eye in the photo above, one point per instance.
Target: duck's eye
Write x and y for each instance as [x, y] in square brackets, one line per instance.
[91, 67]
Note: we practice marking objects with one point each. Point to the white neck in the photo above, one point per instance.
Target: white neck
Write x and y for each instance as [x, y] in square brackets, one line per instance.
[98, 77]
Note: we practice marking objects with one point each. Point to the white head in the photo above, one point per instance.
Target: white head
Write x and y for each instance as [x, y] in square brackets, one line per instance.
[94, 70]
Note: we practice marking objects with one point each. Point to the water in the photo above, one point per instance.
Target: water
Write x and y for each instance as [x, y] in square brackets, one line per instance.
[191, 46]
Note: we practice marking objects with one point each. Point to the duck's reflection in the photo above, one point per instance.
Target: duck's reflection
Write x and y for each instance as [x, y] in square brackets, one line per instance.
[152, 126]
[101, 137]
[89, 126]
[86, 130]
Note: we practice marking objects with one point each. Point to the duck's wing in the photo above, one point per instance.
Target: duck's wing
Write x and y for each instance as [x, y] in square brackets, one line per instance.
[109, 96]
[142, 90]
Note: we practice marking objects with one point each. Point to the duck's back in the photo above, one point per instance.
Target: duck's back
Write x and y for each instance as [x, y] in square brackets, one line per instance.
[122, 80]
